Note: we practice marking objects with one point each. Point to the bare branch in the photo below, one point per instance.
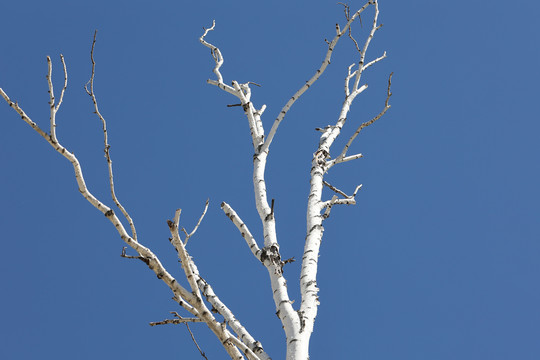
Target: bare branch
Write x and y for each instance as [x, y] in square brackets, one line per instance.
[216, 54]
[176, 218]
[184, 258]
[65, 83]
[107, 147]
[51, 101]
[319, 166]
[54, 108]
[353, 39]
[329, 206]
[348, 200]
[177, 320]
[241, 91]
[243, 348]
[366, 44]
[341, 158]
[124, 255]
[186, 305]
[272, 258]
[346, 9]
[242, 227]
[348, 79]
[334, 189]
[374, 61]
[198, 284]
[91, 81]
[314, 78]
[195, 342]
[193, 278]
[174, 321]
[198, 223]
[219, 307]
[25, 117]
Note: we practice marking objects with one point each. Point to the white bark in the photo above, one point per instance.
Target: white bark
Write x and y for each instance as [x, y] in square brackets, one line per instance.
[298, 324]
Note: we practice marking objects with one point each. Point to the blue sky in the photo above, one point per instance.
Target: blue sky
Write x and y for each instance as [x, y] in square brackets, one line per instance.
[439, 259]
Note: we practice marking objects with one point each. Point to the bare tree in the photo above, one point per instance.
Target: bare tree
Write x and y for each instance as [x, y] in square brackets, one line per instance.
[197, 297]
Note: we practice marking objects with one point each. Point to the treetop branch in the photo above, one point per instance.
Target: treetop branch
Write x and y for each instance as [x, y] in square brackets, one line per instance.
[315, 77]
[241, 91]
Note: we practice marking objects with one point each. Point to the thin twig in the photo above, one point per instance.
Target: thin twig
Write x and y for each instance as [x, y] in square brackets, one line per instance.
[124, 255]
[366, 44]
[90, 92]
[198, 223]
[195, 342]
[178, 320]
[334, 189]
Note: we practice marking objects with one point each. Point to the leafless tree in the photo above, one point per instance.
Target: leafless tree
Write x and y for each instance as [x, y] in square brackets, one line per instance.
[198, 298]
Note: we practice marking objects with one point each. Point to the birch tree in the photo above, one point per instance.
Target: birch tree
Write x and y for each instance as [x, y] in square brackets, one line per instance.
[195, 294]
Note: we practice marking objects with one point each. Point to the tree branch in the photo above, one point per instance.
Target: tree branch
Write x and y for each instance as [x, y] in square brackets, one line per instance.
[341, 157]
[319, 166]
[196, 226]
[107, 147]
[185, 298]
[195, 341]
[242, 227]
[241, 91]
[269, 254]
[177, 320]
[219, 307]
[314, 78]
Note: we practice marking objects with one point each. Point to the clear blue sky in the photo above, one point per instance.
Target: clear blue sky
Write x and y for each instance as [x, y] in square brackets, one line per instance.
[439, 260]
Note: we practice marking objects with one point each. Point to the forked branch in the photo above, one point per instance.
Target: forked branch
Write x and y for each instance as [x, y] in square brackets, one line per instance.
[199, 298]
[188, 236]
[191, 301]
[342, 156]
[339, 33]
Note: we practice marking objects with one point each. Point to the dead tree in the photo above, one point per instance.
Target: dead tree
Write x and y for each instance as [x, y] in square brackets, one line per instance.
[198, 298]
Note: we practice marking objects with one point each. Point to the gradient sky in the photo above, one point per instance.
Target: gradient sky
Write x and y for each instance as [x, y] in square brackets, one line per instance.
[439, 259]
